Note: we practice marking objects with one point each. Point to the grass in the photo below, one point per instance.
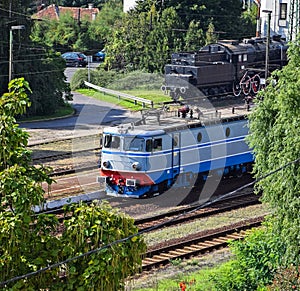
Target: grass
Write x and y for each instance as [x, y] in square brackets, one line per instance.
[60, 112]
[206, 223]
[157, 96]
[197, 281]
[197, 270]
[184, 275]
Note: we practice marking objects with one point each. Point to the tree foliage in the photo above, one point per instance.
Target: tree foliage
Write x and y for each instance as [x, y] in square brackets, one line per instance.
[20, 189]
[150, 32]
[40, 66]
[145, 37]
[143, 40]
[102, 28]
[194, 38]
[29, 242]
[275, 138]
[80, 3]
[256, 259]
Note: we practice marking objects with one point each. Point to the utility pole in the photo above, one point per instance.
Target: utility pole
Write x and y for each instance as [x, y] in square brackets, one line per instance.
[268, 43]
[258, 22]
[10, 68]
[294, 19]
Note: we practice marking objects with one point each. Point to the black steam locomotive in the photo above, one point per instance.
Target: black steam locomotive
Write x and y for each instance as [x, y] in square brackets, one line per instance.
[223, 68]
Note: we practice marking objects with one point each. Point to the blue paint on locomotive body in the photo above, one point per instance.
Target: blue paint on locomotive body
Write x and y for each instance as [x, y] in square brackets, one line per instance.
[150, 159]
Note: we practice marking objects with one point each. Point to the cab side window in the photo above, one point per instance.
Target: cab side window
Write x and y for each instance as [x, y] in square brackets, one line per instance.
[157, 144]
[111, 141]
[107, 141]
[149, 145]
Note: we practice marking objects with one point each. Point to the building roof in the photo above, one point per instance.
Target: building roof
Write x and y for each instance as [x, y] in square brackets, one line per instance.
[54, 12]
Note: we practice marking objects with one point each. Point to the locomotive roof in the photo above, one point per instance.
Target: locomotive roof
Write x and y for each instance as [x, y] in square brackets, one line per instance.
[252, 44]
[169, 121]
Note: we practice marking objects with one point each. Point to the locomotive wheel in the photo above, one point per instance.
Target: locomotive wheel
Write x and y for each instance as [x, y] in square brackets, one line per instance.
[162, 187]
[255, 84]
[236, 89]
[246, 85]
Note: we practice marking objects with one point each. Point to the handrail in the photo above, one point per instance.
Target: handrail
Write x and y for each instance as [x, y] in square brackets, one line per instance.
[120, 94]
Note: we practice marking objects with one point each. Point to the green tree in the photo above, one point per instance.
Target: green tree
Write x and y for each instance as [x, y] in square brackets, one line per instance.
[248, 22]
[144, 40]
[23, 248]
[28, 241]
[39, 65]
[61, 34]
[194, 38]
[150, 32]
[80, 3]
[211, 36]
[101, 29]
[275, 139]
[224, 15]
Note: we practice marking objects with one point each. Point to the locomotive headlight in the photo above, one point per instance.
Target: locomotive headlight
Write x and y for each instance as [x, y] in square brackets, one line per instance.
[106, 164]
[136, 166]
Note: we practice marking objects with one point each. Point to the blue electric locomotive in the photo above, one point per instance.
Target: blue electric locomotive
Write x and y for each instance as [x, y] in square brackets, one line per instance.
[151, 156]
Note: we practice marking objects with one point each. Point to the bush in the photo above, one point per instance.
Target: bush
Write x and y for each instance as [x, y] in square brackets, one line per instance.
[257, 258]
[117, 80]
[286, 279]
[138, 80]
[98, 77]
[78, 79]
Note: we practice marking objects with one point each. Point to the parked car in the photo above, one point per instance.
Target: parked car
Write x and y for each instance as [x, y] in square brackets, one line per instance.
[99, 56]
[75, 59]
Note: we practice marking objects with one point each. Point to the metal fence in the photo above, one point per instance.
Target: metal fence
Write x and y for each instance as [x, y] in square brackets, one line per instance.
[120, 95]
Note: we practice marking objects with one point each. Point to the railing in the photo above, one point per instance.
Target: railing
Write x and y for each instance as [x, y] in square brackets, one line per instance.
[120, 94]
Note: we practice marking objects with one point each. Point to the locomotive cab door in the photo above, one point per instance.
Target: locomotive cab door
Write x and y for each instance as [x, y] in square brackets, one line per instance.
[176, 153]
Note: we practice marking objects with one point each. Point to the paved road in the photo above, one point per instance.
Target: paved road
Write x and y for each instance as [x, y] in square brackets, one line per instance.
[90, 116]
[89, 113]
[69, 71]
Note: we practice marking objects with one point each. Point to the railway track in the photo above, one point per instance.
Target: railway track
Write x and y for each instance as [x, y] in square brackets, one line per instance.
[64, 155]
[191, 213]
[198, 244]
[195, 244]
[87, 160]
[66, 141]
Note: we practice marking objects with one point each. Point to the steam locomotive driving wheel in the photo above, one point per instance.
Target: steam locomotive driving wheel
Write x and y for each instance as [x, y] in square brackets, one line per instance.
[246, 85]
[236, 88]
[255, 84]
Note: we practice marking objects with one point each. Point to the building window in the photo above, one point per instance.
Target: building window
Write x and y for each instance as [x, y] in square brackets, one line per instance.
[283, 11]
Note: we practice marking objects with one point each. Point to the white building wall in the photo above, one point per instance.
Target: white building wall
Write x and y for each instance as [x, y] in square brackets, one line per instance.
[128, 4]
[280, 21]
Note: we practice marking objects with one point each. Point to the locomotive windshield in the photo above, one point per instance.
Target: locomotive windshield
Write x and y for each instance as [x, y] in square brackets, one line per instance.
[111, 141]
[134, 144]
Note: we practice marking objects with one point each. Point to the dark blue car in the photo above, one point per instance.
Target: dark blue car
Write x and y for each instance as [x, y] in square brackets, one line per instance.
[99, 56]
[75, 59]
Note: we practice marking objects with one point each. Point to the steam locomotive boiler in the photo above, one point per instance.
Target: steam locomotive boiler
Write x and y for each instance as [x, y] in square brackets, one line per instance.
[225, 67]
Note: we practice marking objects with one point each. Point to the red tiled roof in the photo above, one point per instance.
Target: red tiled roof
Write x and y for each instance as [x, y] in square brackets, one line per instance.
[53, 12]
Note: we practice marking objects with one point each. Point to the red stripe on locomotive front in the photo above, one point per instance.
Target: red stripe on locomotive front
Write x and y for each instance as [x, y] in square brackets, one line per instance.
[141, 178]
